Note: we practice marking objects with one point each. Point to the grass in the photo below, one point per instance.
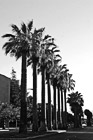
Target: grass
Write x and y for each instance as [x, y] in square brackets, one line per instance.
[72, 134]
[16, 134]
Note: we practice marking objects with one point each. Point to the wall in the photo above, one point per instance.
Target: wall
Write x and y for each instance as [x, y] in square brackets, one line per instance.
[4, 89]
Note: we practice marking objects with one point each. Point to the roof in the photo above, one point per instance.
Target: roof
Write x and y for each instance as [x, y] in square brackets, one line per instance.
[4, 76]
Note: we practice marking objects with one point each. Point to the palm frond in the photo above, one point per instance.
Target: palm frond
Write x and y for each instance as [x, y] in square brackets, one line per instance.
[8, 35]
[8, 46]
[56, 51]
[39, 30]
[29, 61]
[23, 28]
[64, 66]
[18, 53]
[58, 56]
[54, 48]
[57, 61]
[46, 37]
[15, 29]
[51, 44]
[30, 25]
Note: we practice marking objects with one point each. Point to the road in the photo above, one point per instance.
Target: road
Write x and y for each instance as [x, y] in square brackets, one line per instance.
[68, 136]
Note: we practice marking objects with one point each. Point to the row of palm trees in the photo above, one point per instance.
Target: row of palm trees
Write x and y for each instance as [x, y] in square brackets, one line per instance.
[41, 52]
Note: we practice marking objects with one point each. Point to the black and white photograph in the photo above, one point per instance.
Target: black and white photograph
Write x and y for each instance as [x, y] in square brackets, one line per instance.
[46, 69]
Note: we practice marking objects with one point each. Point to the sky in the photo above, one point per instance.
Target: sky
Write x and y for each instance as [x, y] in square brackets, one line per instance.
[70, 22]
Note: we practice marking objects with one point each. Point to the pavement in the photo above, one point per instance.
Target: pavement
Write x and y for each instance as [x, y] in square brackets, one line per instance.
[58, 131]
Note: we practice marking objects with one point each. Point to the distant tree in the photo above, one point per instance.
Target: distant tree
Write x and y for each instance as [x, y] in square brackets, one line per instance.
[76, 102]
[15, 89]
[88, 113]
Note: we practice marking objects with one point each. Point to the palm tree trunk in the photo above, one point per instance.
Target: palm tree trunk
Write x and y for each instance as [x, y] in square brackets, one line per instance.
[75, 117]
[62, 116]
[23, 112]
[49, 103]
[59, 122]
[43, 125]
[55, 114]
[65, 117]
[35, 118]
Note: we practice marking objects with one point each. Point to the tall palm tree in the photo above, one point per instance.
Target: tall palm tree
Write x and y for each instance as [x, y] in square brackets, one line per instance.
[62, 69]
[18, 45]
[54, 74]
[48, 72]
[34, 60]
[69, 84]
[64, 87]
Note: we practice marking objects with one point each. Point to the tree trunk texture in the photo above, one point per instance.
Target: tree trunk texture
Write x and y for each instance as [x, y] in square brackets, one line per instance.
[49, 104]
[23, 112]
[65, 113]
[43, 124]
[35, 118]
[59, 121]
[62, 116]
[75, 117]
[54, 111]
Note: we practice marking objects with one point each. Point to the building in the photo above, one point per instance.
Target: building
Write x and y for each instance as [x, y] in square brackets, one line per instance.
[4, 89]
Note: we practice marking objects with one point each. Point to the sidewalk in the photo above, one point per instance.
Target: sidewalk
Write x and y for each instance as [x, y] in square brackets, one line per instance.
[58, 131]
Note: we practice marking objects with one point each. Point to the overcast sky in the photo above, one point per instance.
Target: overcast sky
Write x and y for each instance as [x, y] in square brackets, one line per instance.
[70, 22]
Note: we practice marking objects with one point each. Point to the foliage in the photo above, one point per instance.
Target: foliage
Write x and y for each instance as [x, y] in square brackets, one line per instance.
[76, 102]
[41, 51]
[15, 89]
[75, 98]
[8, 111]
[70, 117]
[88, 113]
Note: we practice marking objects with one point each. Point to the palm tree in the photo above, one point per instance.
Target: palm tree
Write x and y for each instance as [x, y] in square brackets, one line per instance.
[48, 72]
[68, 84]
[62, 69]
[34, 60]
[54, 74]
[18, 45]
[50, 66]
[76, 102]
[46, 59]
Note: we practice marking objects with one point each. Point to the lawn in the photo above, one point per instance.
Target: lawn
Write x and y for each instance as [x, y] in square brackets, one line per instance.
[16, 134]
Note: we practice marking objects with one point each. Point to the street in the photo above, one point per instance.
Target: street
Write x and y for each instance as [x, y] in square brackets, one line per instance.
[69, 136]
